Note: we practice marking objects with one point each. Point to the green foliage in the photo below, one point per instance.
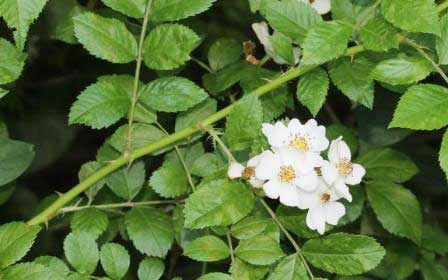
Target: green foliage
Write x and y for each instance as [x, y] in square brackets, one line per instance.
[207, 249]
[379, 35]
[442, 41]
[81, 252]
[17, 239]
[92, 221]
[132, 8]
[29, 271]
[312, 89]
[11, 62]
[171, 10]
[170, 180]
[150, 269]
[115, 260]
[259, 250]
[224, 52]
[15, 158]
[127, 181]
[289, 268]
[53, 263]
[215, 276]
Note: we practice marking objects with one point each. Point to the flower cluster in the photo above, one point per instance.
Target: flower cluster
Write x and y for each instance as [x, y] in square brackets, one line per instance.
[295, 172]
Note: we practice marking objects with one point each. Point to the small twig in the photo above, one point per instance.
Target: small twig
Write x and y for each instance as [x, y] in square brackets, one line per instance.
[229, 241]
[128, 204]
[203, 65]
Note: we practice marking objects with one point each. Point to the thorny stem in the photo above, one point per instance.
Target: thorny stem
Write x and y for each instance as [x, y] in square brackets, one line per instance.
[288, 236]
[229, 241]
[128, 204]
[128, 149]
[221, 144]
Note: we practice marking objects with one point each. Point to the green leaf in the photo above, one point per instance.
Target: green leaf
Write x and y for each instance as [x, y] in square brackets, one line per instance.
[349, 135]
[54, 264]
[168, 46]
[11, 62]
[115, 260]
[354, 11]
[172, 94]
[399, 263]
[352, 77]
[442, 41]
[127, 182]
[225, 78]
[259, 250]
[443, 154]
[91, 220]
[3, 92]
[244, 271]
[343, 253]
[432, 269]
[244, 123]
[283, 48]
[388, 165]
[215, 276]
[81, 252]
[326, 41]
[15, 158]
[16, 239]
[207, 248]
[87, 169]
[289, 268]
[150, 230]
[423, 106]
[353, 210]
[131, 8]
[379, 35]
[78, 276]
[105, 38]
[142, 135]
[224, 52]
[19, 15]
[294, 220]
[172, 10]
[150, 269]
[61, 14]
[101, 104]
[29, 271]
[250, 227]
[218, 203]
[312, 89]
[412, 15]
[170, 180]
[397, 209]
[402, 70]
[290, 17]
[434, 239]
[207, 164]
[195, 114]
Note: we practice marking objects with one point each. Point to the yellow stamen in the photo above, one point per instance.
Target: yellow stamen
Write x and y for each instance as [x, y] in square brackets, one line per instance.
[287, 174]
[345, 167]
[248, 173]
[300, 143]
[325, 197]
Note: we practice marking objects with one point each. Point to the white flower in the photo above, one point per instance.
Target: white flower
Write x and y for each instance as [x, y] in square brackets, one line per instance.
[323, 207]
[286, 173]
[321, 6]
[237, 170]
[340, 171]
[308, 138]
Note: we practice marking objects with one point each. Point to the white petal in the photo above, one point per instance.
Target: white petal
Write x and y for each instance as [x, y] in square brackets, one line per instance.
[272, 189]
[329, 172]
[261, 29]
[342, 190]
[289, 195]
[256, 183]
[333, 211]
[319, 144]
[311, 123]
[314, 159]
[322, 6]
[254, 161]
[235, 170]
[307, 182]
[308, 200]
[344, 150]
[339, 151]
[294, 125]
[279, 135]
[268, 166]
[356, 176]
[315, 219]
[267, 129]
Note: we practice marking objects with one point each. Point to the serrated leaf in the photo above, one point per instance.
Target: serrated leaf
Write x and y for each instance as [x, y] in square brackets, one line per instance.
[115, 260]
[443, 154]
[81, 252]
[87, 169]
[105, 38]
[131, 8]
[91, 220]
[432, 269]
[127, 182]
[379, 35]
[352, 77]
[442, 41]
[218, 203]
[16, 239]
[142, 135]
[402, 70]
[207, 248]
[224, 78]
[195, 114]
[61, 14]
[54, 264]
[215, 276]
[354, 11]
[399, 263]
[259, 250]
[29, 271]
[289, 268]
[207, 164]
[290, 17]
[172, 10]
[388, 165]
[283, 49]
[3, 92]
[250, 227]
[423, 106]
[353, 210]
[11, 62]
[242, 270]
[434, 239]
[326, 41]
[19, 15]
[15, 158]
[343, 253]
[150, 269]
[78, 276]
[101, 104]
[168, 46]
[172, 94]
[294, 220]
[150, 230]
[312, 89]
[244, 123]
[397, 209]
[412, 15]
[224, 52]
[170, 180]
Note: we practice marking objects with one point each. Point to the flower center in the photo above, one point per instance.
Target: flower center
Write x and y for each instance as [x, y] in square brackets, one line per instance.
[325, 197]
[248, 173]
[300, 142]
[318, 171]
[287, 174]
[345, 167]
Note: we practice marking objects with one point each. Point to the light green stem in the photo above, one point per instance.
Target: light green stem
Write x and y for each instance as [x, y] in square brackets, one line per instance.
[117, 205]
